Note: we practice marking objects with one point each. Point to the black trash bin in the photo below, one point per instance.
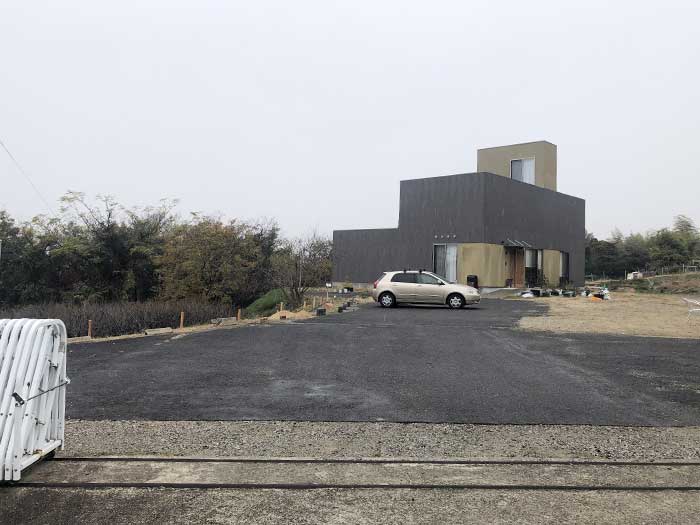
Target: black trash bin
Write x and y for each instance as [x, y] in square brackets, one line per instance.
[473, 281]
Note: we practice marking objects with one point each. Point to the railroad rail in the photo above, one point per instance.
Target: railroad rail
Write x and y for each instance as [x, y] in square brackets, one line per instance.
[362, 473]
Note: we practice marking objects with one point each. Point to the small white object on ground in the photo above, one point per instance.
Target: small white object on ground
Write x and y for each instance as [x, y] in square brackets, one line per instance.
[224, 321]
[693, 306]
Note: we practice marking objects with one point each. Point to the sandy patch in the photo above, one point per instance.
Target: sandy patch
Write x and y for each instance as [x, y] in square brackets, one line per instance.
[286, 314]
[626, 314]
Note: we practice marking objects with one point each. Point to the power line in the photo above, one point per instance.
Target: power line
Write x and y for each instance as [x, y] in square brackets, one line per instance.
[21, 170]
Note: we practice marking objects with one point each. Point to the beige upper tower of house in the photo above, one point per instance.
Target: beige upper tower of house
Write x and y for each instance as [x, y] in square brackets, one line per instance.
[531, 162]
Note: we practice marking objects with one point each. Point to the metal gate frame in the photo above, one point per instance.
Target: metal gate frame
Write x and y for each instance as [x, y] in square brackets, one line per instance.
[32, 392]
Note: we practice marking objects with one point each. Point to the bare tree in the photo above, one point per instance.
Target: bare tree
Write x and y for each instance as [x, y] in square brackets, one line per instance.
[300, 264]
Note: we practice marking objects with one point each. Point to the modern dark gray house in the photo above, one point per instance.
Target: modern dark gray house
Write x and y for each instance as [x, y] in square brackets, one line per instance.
[505, 223]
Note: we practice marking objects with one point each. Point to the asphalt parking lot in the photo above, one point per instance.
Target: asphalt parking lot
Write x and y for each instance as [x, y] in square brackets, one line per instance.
[418, 364]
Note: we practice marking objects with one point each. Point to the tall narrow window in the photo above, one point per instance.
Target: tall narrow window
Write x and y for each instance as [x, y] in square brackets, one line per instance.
[532, 266]
[439, 259]
[564, 266]
[523, 170]
[451, 263]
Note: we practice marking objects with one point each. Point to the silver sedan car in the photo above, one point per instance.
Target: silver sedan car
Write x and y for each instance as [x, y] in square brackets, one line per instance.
[415, 286]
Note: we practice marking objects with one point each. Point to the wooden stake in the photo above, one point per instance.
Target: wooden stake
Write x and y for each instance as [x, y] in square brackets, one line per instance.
[182, 320]
[238, 314]
[89, 327]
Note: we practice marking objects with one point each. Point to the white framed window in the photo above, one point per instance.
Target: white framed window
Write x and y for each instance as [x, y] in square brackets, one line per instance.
[523, 170]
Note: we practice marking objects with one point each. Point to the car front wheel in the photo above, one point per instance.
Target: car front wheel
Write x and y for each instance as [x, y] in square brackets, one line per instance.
[387, 300]
[455, 301]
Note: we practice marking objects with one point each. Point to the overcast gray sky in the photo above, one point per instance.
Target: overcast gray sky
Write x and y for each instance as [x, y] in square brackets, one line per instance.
[311, 112]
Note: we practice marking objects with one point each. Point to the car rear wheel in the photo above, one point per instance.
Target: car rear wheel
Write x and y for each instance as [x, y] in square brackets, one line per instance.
[387, 300]
[455, 301]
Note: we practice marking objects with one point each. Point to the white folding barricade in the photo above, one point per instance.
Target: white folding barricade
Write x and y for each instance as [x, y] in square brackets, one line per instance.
[32, 392]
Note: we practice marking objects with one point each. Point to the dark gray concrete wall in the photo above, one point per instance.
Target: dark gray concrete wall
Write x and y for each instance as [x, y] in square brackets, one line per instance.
[444, 206]
[471, 207]
[546, 219]
[360, 256]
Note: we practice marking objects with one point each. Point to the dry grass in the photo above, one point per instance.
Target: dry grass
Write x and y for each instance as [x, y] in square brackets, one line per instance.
[626, 313]
[113, 319]
[679, 283]
[126, 320]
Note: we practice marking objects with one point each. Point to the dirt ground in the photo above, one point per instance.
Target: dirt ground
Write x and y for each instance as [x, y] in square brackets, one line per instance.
[287, 314]
[626, 313]
[378, 439]
[331, 307]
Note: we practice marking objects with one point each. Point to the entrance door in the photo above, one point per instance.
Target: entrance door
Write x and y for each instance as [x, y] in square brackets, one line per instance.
[445, 261]
[519, 268]
[515, 260]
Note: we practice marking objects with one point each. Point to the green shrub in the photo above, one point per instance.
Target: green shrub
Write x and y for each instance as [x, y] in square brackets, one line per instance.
[265, 305]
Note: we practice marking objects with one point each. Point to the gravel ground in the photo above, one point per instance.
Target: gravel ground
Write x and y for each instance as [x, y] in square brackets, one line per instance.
[360, 506]
[319, 439]
[112, 506]
[625, 314]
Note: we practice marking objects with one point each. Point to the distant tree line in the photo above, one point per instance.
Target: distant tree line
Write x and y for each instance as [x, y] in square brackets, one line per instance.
[104, 252]
[667, 249]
